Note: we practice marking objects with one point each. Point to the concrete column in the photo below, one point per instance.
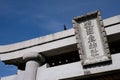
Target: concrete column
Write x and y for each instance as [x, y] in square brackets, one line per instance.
[33, 61]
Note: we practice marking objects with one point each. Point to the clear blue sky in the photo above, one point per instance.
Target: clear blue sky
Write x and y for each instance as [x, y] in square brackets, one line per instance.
[26, 19]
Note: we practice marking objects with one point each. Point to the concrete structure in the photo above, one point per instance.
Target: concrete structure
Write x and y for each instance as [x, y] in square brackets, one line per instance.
[56, 57]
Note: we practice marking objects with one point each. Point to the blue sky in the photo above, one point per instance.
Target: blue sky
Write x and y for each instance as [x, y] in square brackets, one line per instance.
[6, 70]
[26, 19]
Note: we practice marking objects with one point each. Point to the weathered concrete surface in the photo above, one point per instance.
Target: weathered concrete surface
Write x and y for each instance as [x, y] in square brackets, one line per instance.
[31, 70]
[52, 41]
[76, 69]
[68, 70]
[57, 41]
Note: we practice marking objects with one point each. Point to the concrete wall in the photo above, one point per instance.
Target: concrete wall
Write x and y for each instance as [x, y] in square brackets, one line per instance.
[60, 72]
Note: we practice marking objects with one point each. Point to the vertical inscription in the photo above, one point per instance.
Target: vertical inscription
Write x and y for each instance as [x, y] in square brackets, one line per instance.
[91, 38]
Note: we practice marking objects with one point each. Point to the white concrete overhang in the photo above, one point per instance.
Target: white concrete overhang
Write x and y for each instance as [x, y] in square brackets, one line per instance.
[53, 44]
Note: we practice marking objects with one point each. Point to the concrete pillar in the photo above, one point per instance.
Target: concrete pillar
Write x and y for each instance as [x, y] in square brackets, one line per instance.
[33, 61]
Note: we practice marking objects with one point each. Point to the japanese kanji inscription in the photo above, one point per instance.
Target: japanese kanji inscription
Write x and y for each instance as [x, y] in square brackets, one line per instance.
[91, 38]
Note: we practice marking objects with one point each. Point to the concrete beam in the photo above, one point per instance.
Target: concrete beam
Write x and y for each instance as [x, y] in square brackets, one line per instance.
[52, 42]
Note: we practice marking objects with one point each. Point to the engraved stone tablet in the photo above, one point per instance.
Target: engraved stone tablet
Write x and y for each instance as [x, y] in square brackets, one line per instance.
[91, 38]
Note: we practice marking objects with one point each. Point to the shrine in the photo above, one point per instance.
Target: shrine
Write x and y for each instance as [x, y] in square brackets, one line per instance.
[88, 51]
